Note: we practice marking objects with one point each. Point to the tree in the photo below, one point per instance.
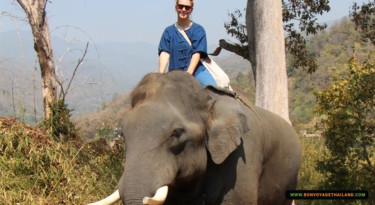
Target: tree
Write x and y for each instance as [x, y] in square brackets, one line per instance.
[36, 13]
[301, 12]
[264, 47]
[348, 106]
[364, 19]
[348, 110]
[267, 55]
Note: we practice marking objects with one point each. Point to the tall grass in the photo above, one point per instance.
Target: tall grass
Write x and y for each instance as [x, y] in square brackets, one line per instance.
[34, 169]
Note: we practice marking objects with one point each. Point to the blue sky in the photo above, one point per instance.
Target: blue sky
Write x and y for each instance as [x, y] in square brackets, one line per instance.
[136, 21]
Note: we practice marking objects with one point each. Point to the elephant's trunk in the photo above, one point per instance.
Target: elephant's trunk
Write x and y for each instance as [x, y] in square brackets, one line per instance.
[142, 186]
[111, 199]
[158, 198]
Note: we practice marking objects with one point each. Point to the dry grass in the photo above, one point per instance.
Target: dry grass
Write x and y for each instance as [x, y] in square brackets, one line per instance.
[34, 169]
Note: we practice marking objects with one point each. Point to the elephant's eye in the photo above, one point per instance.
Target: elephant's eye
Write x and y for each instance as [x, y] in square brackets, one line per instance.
[177, 132]
[178, 141]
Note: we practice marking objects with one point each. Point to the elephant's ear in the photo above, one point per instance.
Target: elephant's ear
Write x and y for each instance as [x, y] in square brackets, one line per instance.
[227, 125]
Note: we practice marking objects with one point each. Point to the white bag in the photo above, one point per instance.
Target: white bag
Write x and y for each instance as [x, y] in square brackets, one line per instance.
[221, 78]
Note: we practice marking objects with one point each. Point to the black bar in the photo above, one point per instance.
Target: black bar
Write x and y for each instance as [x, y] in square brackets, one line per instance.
[327, 194]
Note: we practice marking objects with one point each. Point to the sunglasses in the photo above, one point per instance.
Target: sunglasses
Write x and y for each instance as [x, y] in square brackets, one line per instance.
[187, 8]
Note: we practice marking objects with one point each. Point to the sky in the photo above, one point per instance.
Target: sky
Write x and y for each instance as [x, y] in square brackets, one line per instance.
[135, 21]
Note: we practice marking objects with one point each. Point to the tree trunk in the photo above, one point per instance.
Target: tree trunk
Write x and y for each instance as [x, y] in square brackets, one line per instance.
[36, 14]
[267, 55]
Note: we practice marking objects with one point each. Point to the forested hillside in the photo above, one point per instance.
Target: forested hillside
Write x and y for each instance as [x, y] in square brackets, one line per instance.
[333, 49]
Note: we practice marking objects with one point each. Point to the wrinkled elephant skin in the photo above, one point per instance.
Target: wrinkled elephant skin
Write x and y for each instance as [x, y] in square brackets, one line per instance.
[206, 146]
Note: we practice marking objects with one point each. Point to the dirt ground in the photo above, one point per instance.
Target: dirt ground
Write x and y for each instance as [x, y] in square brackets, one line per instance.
[9, 124]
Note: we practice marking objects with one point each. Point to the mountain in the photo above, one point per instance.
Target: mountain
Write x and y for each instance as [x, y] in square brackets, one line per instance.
[108, 69]
[115, 68]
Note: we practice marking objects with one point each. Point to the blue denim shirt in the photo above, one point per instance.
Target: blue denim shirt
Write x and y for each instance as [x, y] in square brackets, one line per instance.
[179, 49]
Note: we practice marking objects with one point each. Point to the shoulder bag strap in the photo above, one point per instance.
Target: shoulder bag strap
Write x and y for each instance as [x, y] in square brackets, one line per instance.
[221, 78]
[183, 33]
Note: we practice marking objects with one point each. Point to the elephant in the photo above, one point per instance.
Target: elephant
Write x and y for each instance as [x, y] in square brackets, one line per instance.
[189, 145]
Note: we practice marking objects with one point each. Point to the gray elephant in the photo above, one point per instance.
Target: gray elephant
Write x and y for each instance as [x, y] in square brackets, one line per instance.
[192, 145]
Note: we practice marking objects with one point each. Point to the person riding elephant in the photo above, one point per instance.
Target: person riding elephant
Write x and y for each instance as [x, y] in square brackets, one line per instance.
[190, 145]
[176, 53]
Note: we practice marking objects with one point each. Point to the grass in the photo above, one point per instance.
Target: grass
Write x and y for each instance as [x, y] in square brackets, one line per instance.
[34, 169]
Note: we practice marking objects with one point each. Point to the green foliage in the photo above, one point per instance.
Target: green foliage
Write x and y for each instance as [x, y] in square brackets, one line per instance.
[236, 28]
[348, 106]
[303, 12]
[312, 150]
[60, 125]
[334, 47]
[364, 19]
[37, 170]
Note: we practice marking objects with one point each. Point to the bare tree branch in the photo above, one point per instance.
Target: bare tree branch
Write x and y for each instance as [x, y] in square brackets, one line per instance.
[64, 92]
[235, 48]
[85, 83]
[80, 61]
[23, 5]
[61, 85]
[60, 82]
[34, 97]
[11, 16]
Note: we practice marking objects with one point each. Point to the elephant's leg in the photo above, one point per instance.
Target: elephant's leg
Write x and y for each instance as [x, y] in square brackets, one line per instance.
[245, 192]
[246, 189]
[246, 163]
[279, 175]
[229, 189]
[236, 181]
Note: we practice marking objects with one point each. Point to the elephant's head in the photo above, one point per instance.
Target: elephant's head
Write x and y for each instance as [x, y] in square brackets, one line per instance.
[171, 132]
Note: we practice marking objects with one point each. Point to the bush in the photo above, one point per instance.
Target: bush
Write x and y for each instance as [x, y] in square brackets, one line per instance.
[312, 150]
[60, 125]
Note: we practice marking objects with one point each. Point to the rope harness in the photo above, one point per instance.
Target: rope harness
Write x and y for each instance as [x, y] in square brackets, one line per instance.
[236, 96]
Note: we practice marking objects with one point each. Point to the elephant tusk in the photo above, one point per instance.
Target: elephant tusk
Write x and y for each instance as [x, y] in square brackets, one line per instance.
[159, 197]
[111, 199]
